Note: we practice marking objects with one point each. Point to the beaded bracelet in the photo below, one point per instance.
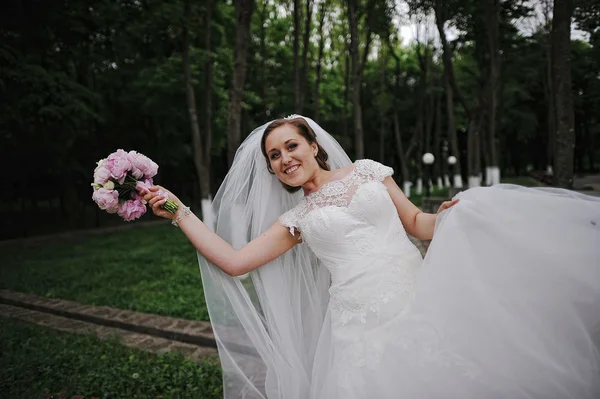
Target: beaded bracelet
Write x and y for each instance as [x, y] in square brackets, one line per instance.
[185, 211]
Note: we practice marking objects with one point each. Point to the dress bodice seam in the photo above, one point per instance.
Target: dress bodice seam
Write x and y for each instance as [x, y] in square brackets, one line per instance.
[347, 207]
[340, 180]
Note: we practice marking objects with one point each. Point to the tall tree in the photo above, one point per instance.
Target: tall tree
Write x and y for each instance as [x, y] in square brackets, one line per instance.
[401, 154]
[198, 147]
[421, 132]
[561, 78]
[243, 13]
[493, 81]
[319, 64]
[296, 49]
[546, 9]
[208, 117]
[264, 56]
[450, 86]
[305, 46]
[357, 67]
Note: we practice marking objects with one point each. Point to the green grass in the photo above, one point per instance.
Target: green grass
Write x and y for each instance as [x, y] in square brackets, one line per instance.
[36, 362]
[151, 269]
[417, 199]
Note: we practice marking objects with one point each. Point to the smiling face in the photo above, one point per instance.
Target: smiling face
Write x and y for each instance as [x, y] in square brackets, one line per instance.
[290, 155]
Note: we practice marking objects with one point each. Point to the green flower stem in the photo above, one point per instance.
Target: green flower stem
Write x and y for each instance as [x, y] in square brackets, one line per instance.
[170, 206]
[129, 185]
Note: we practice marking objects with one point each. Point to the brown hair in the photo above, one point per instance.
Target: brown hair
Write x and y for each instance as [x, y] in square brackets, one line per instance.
[304, 129]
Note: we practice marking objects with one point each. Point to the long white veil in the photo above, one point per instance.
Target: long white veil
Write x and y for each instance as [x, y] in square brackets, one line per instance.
[512, 279]
[268, 323]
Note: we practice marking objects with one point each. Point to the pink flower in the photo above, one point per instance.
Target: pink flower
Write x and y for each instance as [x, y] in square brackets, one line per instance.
[107, 200]
[101, 175]
[139, 161]
[118, 164]
[132, 209]
[135, 170]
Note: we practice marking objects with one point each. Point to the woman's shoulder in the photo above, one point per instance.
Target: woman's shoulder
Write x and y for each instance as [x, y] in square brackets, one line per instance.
[369, 167]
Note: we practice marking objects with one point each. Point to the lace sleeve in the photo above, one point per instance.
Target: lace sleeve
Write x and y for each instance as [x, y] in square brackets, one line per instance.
[373, 169]
[290, 220]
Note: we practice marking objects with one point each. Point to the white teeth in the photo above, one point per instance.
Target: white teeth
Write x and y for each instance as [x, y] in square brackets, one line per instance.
[290, 170]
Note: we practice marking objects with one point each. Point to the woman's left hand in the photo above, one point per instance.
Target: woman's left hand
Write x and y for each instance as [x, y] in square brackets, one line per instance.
[447, 204]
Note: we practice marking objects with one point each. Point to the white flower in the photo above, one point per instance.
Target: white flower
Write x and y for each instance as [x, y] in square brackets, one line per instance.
[109, 185]
[96, 186]
[100, 162]
[135, 376]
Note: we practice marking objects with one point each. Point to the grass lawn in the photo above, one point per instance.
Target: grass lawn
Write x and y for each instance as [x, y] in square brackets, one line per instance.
[36, 362]
[417, 199]
[151, 269]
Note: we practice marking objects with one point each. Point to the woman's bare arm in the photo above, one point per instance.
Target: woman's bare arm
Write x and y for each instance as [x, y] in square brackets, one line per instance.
[416, 222]
[271, 244]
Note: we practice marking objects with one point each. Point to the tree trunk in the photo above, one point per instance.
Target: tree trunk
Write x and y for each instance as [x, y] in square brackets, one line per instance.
[264, 56]
[421, 139]
[402, 155]
[305, 47]
[243, 12]
[357, 69]
[423, 122]
[492, 15]
[400, 152]
[549, 91]
[561, 78]
[450, 88]
[208, 98]
[346, 95]
[474, 149]
[438, 169]
[548, 88]
[322, 12]
[199, 163]
[296, 49]
[451, 126]
[382, 110]
[440, 20]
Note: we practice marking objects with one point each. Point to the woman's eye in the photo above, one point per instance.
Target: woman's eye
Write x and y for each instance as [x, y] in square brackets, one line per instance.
[292, 146]
[274, 155]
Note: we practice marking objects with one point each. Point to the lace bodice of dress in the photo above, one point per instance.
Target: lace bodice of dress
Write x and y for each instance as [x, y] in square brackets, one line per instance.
[352, 226]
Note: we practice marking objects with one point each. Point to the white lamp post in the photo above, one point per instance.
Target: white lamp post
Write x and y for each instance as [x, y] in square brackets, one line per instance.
[428, 160]
[457, 177]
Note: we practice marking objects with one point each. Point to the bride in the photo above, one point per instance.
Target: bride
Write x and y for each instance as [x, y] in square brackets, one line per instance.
[315, 291]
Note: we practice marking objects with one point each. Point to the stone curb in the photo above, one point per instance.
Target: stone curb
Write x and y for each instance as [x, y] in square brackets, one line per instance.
[150, 343]
[146, 330]
[186, 331]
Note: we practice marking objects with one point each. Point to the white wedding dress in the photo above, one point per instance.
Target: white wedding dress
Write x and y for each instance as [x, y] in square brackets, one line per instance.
[485, 316]
[506, 303]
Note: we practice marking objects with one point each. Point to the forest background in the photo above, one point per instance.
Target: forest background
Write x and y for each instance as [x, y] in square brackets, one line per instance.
[507, 87]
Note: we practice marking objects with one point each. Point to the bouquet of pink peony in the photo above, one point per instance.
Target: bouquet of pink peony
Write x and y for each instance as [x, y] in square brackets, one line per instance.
[117, 180]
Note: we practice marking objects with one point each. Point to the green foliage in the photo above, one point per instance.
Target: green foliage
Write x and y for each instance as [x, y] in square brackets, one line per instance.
[36, 362]
[79, 81]
[151, 269]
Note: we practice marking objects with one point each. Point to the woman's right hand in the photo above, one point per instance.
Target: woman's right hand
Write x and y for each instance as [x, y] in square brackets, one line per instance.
[156, 196]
